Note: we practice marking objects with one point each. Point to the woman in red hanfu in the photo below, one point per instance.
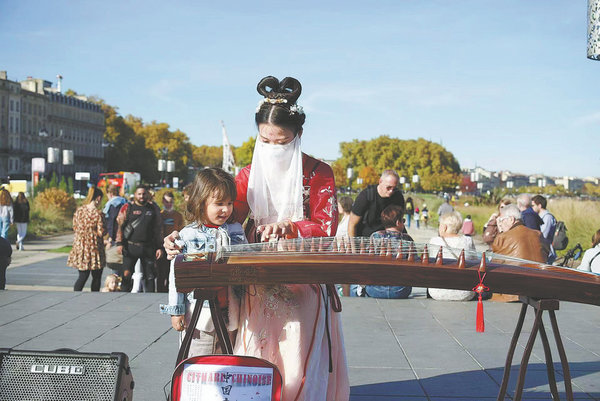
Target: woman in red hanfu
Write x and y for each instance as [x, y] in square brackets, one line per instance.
[286, 193]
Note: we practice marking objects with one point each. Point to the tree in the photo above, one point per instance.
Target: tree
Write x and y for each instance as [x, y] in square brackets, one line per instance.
[437, 168]
[210, 156]
[369, 176]
[158, 136]
[591, 189]
[62, 185]
[243, 154]
[340, 174]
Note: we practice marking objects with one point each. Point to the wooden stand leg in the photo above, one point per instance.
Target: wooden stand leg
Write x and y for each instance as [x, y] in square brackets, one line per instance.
[549, 363]
[539, 306]
[511, 353]
[563, 356]
[217, 317]
[526, 355]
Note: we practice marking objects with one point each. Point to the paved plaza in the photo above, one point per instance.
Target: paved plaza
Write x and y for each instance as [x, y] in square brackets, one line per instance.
[415, 349]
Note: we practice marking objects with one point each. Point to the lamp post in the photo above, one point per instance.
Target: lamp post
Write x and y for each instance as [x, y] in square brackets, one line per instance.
[170, 169]
[415, 180]
[165, 166]
[349, 174]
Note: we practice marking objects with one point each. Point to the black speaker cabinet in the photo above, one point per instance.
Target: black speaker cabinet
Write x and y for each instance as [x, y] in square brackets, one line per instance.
[64, 375]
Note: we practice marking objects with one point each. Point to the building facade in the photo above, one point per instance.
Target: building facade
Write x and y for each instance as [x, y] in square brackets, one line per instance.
[34, 116]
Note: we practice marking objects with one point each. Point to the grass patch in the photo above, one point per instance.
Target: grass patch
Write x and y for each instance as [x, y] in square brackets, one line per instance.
[62, 249]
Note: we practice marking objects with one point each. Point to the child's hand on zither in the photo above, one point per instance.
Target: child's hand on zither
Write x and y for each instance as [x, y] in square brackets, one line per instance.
[177, 322]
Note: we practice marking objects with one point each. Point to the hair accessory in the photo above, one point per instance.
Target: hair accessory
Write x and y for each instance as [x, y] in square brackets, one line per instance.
[295, 108]
[269, 100]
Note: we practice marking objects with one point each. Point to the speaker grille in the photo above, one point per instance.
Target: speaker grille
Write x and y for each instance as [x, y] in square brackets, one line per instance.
[97, 381]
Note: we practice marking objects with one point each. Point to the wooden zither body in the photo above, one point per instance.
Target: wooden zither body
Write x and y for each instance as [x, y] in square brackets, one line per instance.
[383, 262]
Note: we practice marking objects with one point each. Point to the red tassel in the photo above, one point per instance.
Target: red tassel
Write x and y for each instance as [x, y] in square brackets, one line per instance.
[479, 289]
[480, 324]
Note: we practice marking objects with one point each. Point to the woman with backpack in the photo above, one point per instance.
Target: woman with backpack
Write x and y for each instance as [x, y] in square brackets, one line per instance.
[409, 209]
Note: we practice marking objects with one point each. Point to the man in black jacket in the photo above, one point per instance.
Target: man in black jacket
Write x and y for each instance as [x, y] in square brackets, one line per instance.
[140, 237]
[365, 218]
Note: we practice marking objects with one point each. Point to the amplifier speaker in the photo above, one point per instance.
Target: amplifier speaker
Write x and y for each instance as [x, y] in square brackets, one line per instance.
[64, 375]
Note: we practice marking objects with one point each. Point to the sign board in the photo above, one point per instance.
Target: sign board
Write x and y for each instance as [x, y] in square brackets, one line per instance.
[225, 382]
[38, 164]
[175, 182]
[82, 176]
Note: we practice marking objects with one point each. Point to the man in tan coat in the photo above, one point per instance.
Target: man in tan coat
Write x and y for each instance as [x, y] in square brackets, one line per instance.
[517, 241]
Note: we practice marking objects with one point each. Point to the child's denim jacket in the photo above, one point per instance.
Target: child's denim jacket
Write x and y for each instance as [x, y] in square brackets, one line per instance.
[199, 238]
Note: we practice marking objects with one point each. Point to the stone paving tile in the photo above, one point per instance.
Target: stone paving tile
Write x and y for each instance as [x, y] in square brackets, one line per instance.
[386, 398]
[384, 382]
[438, 338]
[537, 387]
[463, 384]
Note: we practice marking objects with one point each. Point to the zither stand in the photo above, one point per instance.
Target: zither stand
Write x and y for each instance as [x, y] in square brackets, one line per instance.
[539, 305]
[202, 294]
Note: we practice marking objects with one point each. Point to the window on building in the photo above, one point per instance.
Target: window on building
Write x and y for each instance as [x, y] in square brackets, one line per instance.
[18, 104]
[12, 105]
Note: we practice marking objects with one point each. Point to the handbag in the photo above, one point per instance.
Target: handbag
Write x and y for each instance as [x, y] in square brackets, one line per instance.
[131, 226]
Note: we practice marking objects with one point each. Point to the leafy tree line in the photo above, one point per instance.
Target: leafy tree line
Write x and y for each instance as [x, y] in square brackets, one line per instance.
[436, 167]
[135, 145]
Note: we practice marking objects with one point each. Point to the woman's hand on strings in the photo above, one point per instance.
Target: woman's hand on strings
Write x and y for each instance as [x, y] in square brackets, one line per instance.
[275, 231]
[170, 246]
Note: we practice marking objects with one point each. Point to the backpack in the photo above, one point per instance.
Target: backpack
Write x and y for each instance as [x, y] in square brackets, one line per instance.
[560, 236]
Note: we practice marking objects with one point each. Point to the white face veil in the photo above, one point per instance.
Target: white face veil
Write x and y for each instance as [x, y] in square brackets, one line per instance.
[275, 183]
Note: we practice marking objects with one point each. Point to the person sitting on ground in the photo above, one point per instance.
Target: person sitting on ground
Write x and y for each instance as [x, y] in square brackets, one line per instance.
[453, 243]
[393, 223]
[517, 241]
[112, 283]
[591, 258]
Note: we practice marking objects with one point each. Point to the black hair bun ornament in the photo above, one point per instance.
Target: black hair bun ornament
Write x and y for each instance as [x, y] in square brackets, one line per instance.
[285, 92]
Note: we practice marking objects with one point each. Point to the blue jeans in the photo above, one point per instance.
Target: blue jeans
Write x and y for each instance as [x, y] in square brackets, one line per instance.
[388, 292]
[408, 217]
[4, 225]
[353, 289]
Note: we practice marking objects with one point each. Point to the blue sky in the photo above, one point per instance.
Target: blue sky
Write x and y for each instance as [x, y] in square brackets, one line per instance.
[501, 84]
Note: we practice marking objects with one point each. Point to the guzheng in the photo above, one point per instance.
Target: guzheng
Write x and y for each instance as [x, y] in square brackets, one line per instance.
[328, 260]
